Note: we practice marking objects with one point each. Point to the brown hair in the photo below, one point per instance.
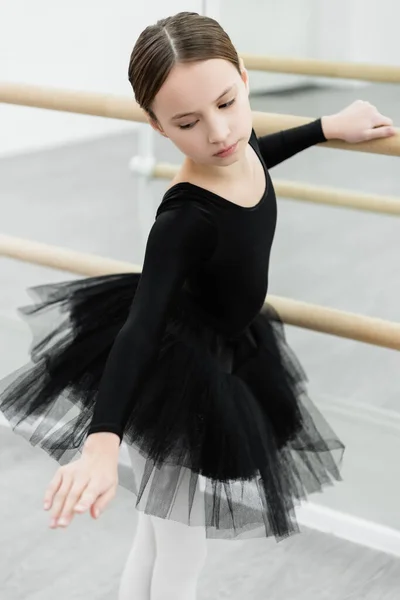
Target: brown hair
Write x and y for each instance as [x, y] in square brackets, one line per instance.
[184, 37]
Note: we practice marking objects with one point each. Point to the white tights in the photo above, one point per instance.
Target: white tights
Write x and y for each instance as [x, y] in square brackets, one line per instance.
[167, 556]
[165, 561]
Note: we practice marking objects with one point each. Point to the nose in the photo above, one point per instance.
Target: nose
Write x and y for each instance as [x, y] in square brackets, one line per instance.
[218, 131]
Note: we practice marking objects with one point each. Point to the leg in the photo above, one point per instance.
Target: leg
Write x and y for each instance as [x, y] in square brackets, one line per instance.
[180, 550]
[136, 577]
[181, 554]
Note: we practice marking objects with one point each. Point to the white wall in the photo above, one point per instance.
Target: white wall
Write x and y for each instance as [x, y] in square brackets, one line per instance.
[359, 31]
[85, 44]
[82, 44]
[275, 28]
[348, 30]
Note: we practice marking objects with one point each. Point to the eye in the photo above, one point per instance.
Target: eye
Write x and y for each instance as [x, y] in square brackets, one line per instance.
[188, 126]
[228, 104]
[191, 125]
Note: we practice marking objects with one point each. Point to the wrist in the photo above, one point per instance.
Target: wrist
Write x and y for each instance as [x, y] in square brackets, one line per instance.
[102, 440]
[330, 127]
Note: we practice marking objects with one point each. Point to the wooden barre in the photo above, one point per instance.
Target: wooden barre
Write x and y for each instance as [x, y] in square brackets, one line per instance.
[119, 107]
[84, 103]
[322, 68]
[266, 123]
[389, 205]
[352, 326]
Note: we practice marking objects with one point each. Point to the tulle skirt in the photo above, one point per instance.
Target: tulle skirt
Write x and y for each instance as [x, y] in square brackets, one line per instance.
[222, 435]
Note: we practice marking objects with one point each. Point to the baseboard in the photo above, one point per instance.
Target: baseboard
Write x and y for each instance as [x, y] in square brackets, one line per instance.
[350, 528]
[380, 416]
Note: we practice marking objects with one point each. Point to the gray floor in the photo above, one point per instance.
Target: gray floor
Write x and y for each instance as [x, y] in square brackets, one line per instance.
[84, 197]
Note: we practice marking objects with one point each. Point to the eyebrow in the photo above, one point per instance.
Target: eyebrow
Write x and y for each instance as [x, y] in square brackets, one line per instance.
[186, 114]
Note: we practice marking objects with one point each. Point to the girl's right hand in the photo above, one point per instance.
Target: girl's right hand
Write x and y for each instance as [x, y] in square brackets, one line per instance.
[88, 483]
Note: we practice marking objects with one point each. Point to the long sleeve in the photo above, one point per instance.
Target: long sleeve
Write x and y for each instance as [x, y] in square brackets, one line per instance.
[179, 240]
[279, 146]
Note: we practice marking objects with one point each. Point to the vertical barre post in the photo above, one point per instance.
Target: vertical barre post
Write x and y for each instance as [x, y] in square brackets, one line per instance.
[142, 165]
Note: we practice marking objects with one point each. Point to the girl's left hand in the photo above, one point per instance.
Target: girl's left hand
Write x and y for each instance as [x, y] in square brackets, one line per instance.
[359, 122]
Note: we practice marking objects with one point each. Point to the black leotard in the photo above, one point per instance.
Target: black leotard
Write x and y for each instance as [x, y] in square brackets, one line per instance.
[215, 250]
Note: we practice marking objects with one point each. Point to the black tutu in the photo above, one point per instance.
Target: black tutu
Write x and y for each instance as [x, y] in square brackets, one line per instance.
[227, 435]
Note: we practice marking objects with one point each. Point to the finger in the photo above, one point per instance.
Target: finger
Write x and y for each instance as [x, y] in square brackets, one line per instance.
[380, 132]
[81, 504]
[61, 495]
[383, 120]
[74, 494]
[88, 497]
[102, 501]
[52, 488]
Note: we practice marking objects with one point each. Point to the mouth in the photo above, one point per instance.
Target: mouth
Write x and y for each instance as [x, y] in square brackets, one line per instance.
[227, 151]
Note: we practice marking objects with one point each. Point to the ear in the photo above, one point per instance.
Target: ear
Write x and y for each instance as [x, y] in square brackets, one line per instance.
[244, 75]
[155, 125]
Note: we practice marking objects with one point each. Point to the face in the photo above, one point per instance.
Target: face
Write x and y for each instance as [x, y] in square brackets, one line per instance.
[203, 108]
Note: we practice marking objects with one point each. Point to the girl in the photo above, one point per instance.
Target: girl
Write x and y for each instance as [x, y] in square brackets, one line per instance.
[185, 362]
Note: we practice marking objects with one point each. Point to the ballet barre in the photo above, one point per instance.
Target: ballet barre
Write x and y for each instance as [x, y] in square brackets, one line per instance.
[389, 205]
[322, 68]
[118, 107]
[377, 332]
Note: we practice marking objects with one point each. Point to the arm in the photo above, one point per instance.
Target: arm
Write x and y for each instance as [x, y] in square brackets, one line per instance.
[178, 241]
[277, 147]
[358, 122]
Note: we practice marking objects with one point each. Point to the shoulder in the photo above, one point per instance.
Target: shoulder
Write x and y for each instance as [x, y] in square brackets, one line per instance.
[183, 224]
[184, 205]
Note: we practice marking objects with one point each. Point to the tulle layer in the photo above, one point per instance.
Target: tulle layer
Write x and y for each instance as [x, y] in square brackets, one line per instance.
[222, 434]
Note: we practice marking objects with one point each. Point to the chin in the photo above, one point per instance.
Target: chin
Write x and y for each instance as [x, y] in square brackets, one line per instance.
[231, 160]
